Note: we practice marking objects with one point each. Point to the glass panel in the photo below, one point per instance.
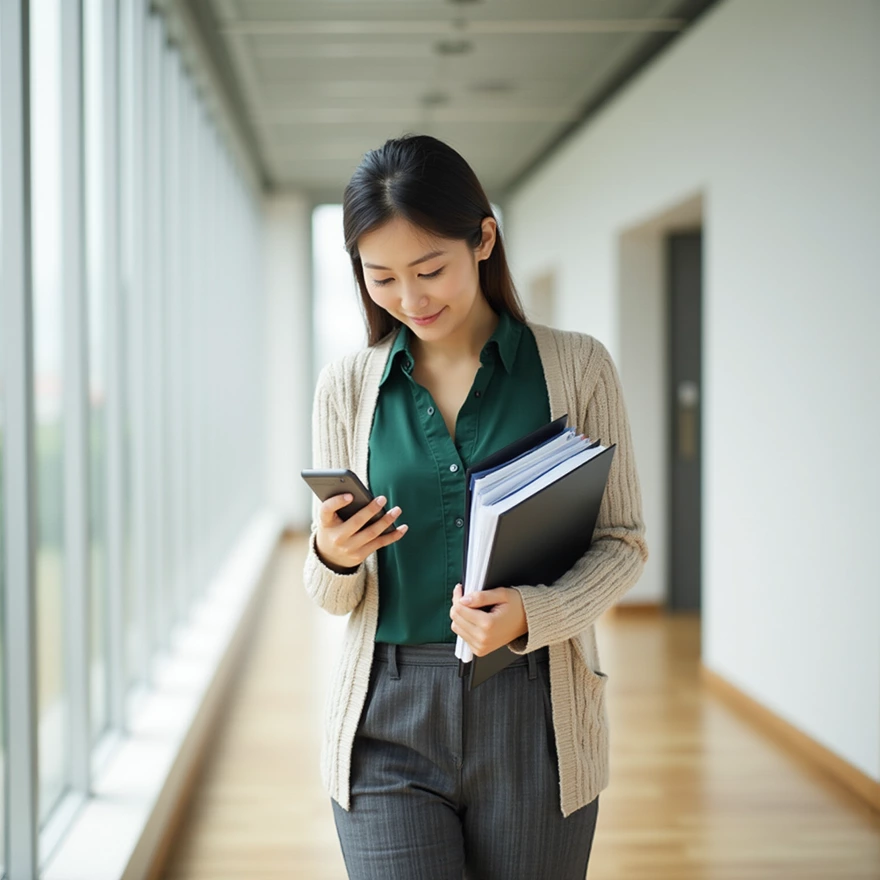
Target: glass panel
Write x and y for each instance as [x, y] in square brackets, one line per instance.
[130, 107]
[53, 709]
[3, 793]
[153, 363]
[168, 336]
[96, 289]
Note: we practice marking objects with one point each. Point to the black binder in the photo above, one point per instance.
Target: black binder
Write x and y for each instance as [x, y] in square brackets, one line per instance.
[540, 539]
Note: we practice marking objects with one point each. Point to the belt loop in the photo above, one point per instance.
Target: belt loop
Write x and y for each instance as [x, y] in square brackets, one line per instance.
[392, 661]
[533, 666]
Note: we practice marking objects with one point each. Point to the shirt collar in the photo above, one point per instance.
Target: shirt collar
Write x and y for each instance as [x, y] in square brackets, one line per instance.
[399, 351]
[505, 339]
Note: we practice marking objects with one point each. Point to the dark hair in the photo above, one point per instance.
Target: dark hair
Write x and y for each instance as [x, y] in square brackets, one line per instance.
[424, 181]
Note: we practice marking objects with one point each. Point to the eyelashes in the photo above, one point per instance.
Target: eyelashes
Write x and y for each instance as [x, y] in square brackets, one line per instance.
[384, 281]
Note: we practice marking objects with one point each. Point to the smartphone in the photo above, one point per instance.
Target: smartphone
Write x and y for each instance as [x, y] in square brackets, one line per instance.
[336, 481]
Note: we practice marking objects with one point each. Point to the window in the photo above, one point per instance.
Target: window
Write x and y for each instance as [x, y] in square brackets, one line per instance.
[3, 786]
[173, 470]
[96, 120]
[132, 273]
[48, 317]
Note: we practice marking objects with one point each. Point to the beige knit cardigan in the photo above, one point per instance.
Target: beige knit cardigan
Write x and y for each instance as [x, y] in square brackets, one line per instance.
[582, 381]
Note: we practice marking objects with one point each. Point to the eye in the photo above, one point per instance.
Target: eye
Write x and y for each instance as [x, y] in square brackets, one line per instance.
[380, 282]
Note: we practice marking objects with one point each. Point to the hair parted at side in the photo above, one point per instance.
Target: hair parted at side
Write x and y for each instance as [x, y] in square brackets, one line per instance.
[422, 180]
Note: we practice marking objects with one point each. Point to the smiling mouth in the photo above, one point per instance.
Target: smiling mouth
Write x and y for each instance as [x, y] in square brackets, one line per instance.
[424, 317]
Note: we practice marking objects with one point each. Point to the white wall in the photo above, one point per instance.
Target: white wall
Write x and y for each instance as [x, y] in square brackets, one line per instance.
[289, 357]
[767, 110]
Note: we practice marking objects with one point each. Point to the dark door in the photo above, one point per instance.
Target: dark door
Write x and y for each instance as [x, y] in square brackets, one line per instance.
[685, 286]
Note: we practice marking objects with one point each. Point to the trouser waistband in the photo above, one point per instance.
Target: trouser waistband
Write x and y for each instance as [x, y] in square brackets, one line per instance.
[442, 654]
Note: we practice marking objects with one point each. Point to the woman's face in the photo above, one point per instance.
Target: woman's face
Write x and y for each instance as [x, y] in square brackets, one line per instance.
[442, 285]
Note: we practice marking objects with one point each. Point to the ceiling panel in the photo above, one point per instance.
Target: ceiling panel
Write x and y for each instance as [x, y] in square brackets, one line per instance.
[503, 81]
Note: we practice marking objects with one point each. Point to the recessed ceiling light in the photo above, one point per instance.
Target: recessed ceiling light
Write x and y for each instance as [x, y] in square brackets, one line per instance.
[434, 99]
[492, 87]
[453, 47]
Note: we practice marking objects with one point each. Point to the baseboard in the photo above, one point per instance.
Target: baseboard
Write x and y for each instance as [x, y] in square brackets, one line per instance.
[795, 740]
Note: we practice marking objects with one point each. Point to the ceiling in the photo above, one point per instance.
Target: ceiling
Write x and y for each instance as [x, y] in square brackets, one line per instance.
[317, 84]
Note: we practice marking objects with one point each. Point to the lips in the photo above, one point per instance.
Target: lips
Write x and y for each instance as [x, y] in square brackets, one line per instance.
[422, 322]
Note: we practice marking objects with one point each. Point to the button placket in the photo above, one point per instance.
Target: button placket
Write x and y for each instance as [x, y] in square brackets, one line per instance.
[450, 470]
[468, 426]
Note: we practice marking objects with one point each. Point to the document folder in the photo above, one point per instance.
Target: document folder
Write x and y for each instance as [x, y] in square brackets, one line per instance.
[542, 537]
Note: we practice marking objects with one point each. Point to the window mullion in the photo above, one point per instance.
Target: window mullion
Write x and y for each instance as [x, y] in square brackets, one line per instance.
[115, 521]
[77, 553]
[19, 478]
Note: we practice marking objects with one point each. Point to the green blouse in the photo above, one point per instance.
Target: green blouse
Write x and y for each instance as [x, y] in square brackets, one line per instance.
[416, 464]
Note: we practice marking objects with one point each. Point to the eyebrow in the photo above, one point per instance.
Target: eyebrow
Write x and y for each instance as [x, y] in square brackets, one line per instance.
[413, 263]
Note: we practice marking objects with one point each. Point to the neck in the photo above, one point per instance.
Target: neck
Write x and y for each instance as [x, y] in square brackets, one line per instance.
[465, 343]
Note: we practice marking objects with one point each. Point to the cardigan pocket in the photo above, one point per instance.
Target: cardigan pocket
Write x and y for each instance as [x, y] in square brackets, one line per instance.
[581, 653]
[590, 711]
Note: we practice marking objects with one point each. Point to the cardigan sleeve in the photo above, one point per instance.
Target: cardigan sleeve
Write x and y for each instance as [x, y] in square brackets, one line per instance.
[618, 551]
[334, 592]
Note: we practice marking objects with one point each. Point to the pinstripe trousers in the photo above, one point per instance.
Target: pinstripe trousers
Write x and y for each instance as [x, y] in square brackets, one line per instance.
[448, 783]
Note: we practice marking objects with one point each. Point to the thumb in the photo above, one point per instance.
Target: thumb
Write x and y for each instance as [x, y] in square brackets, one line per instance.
[485, 597]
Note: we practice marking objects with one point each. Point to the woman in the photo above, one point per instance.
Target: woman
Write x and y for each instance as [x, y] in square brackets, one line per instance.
[427, 779]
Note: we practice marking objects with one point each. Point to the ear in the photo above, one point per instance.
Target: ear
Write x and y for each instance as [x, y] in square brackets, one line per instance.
[484, 250]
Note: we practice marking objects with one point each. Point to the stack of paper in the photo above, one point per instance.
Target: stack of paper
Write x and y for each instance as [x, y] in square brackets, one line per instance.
[497, 490]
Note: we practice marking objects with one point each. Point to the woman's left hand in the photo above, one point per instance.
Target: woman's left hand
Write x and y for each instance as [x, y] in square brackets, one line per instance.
[485, 631]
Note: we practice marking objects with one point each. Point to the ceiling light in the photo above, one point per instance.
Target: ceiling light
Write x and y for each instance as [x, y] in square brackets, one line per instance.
[492, 87]
[435, 99]
[453, 47]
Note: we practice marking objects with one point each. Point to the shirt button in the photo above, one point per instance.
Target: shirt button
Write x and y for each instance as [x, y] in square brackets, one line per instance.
[408, 364]
[430, 410]
[453, 467]
[459, 521]
[476, 394]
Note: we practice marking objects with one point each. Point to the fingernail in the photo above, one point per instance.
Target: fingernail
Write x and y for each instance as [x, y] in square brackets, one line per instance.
[381, 499]
[466, 600]
[403, 528]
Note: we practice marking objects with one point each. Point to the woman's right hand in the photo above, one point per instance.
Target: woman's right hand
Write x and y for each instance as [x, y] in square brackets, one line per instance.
[344, 543]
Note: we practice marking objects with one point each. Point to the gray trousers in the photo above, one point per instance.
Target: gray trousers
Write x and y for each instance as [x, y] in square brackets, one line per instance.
[449, 784]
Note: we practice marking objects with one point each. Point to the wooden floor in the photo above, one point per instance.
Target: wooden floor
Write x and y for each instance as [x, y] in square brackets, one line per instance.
[695, 794]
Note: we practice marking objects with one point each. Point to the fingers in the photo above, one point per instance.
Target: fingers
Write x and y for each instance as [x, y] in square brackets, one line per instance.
[375, 530]
[471, 633]
[362, 517]
[474, 625]
[482, 598]
[349, 542]
[328, 508]
[384, 540]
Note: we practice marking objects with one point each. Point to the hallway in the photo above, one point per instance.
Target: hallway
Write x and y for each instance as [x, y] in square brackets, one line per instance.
[696, 792]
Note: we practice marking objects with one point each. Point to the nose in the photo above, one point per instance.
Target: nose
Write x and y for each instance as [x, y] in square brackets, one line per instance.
[413, 301]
